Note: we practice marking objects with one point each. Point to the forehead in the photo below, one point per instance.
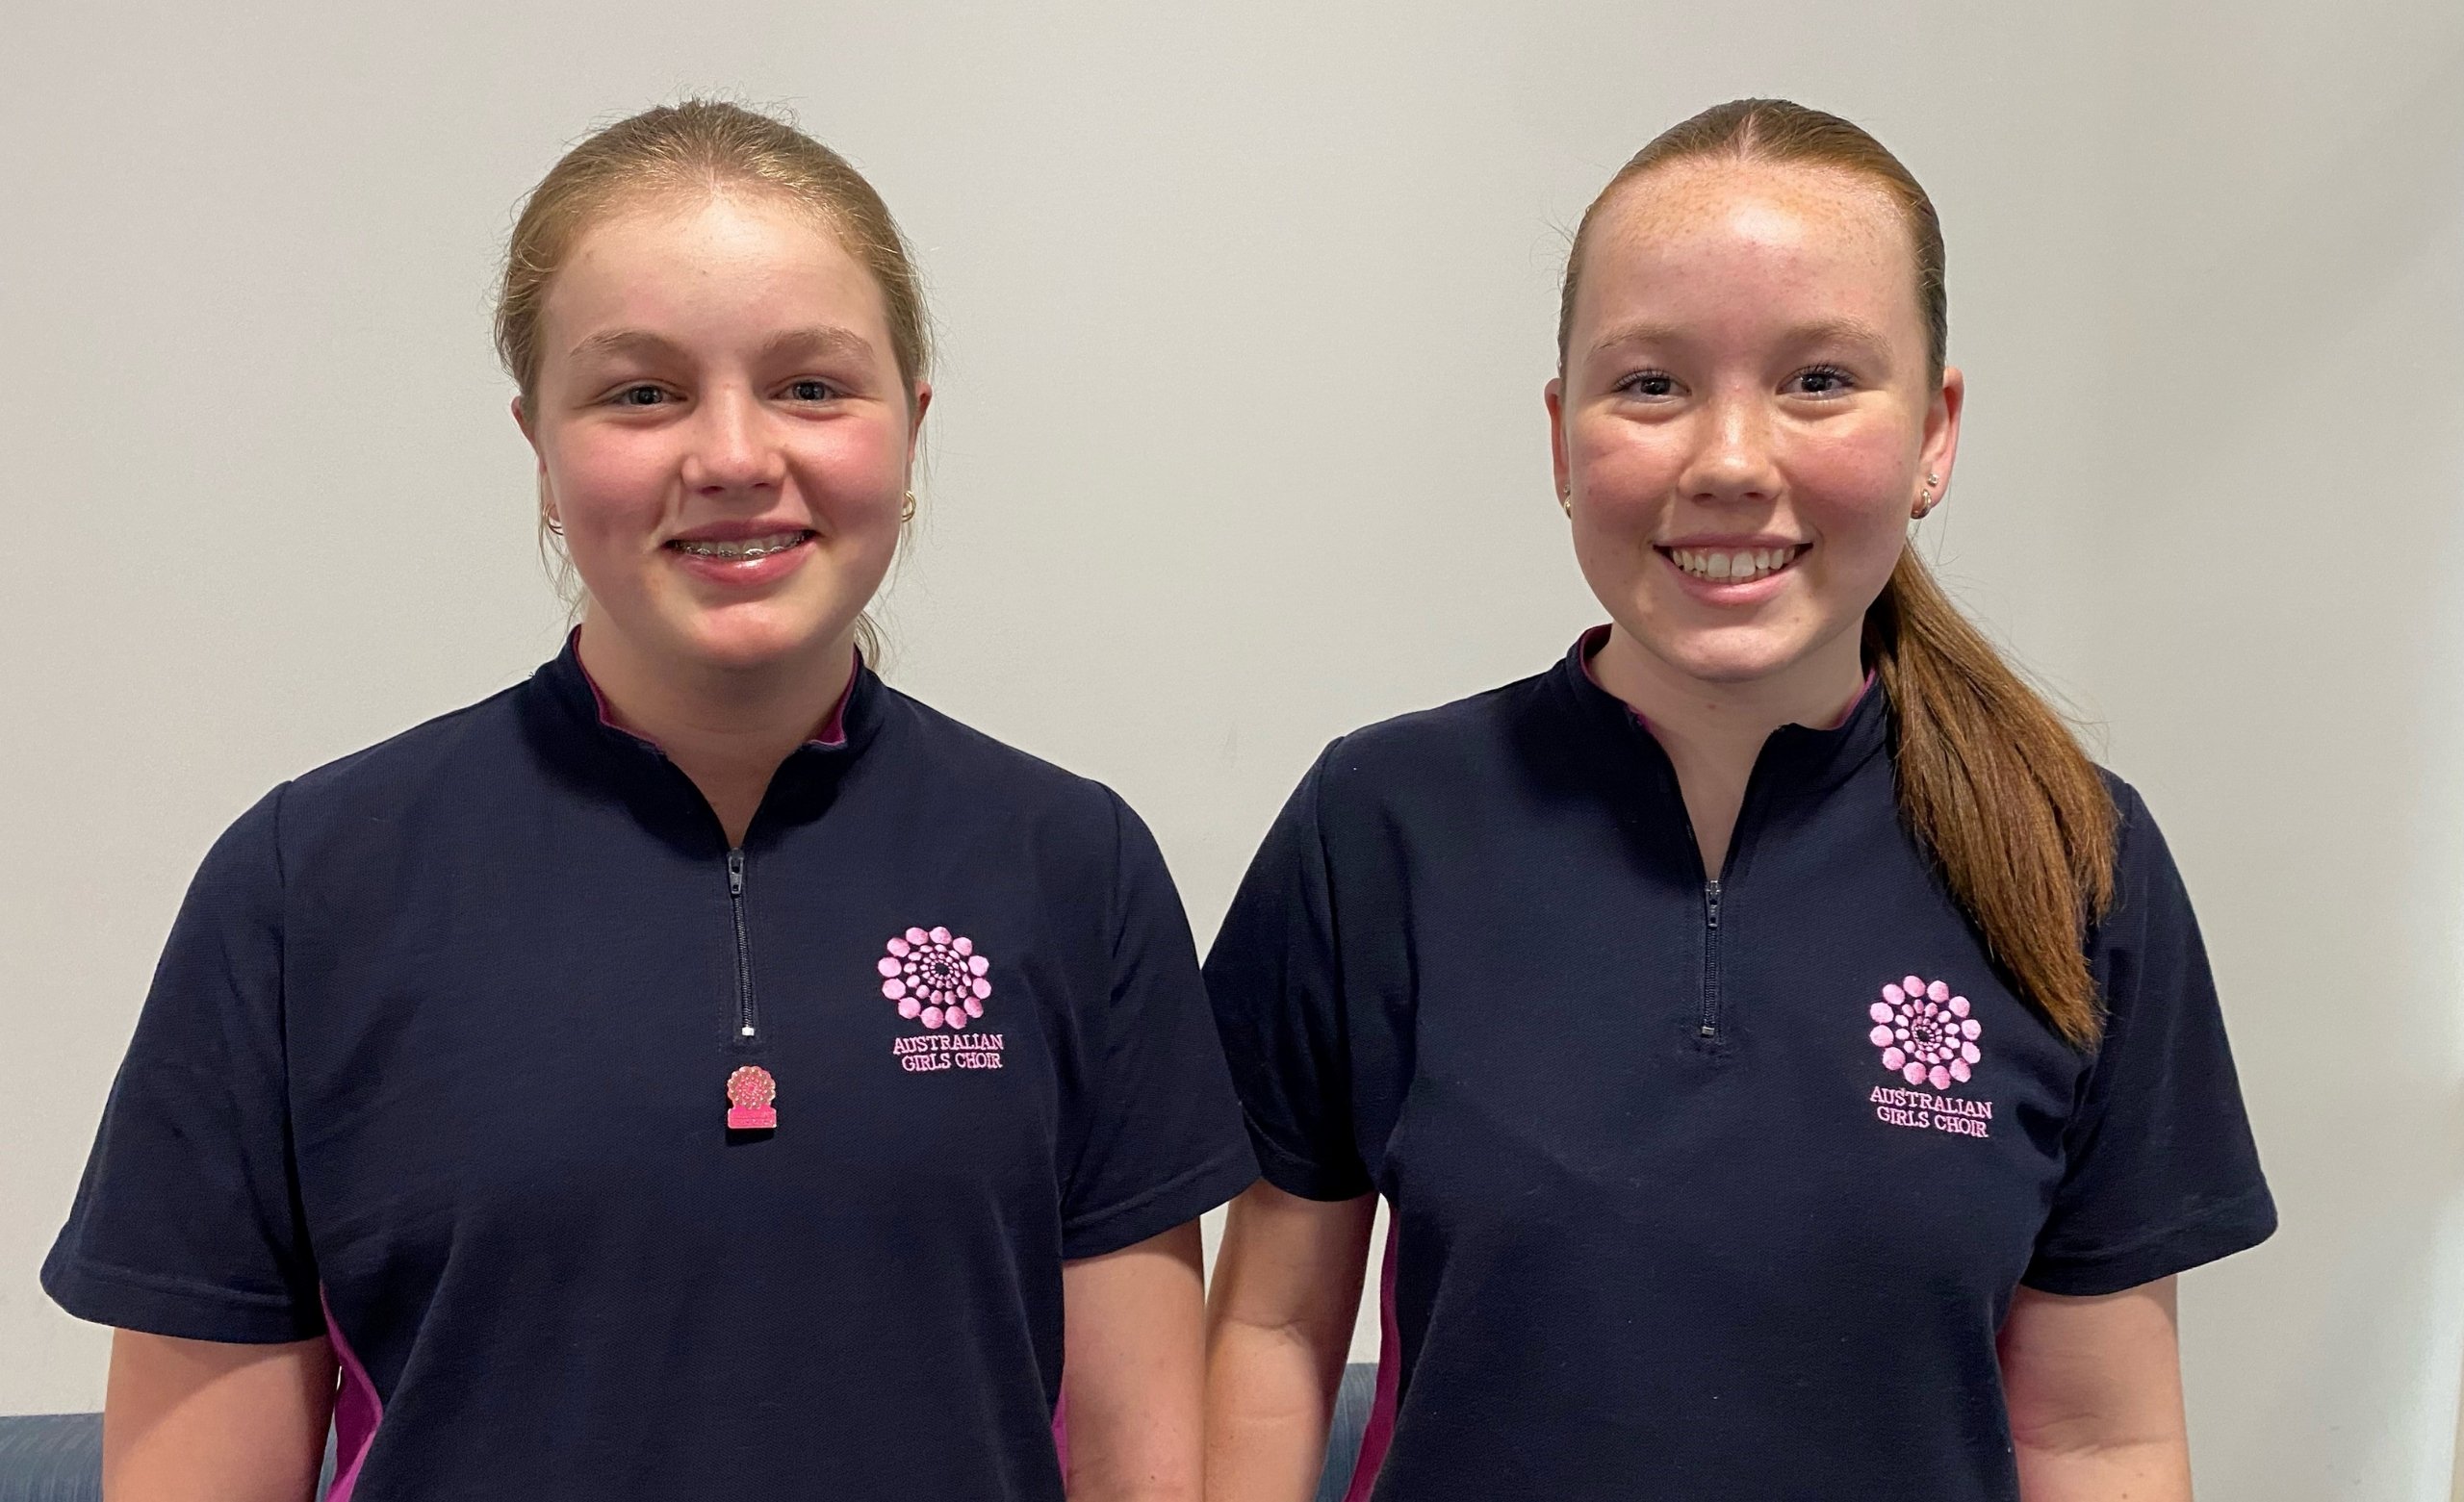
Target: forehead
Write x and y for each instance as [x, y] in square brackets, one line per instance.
[712, 261]
[1752, 229]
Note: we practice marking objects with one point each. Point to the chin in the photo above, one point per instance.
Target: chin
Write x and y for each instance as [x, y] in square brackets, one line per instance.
[744, 640]
[1731, 657]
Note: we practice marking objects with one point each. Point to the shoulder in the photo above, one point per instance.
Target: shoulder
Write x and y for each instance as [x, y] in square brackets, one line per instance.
[2140, 852]
[464, 770]
[963, 762]
[1446, 753]
[469, 747]
[2129, 809]
[1452, 740]
[2150, 901]
[264, 850]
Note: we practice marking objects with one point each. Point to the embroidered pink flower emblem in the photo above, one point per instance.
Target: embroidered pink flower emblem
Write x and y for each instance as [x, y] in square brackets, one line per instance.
[1925, 1033]
[935, 979]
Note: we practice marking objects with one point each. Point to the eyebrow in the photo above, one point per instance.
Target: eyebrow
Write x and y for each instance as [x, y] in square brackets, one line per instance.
[815, 340]
[819, 339]
[1822, 331]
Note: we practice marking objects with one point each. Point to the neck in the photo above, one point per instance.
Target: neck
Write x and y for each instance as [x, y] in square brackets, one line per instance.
[725, 728]
[1713, 731]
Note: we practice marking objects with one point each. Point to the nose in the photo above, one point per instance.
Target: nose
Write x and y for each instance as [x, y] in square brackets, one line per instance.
[732, 446]
[1731, 458]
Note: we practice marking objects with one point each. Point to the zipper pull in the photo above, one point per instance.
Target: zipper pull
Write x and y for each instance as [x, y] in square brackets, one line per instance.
[1711, 904]
[736, 872]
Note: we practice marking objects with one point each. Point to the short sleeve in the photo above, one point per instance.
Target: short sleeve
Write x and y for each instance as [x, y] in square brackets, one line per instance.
[1164, 1144]
[2161, 1173]
[1275, 978]
[188, 1220]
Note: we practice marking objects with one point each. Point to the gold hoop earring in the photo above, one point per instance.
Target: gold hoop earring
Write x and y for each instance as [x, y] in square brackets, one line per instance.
[1566, 501]
[906, 513]
[553, 526]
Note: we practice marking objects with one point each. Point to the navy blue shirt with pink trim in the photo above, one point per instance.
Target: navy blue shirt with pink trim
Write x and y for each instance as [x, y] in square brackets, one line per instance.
[1703, 1185]
[621, 1163]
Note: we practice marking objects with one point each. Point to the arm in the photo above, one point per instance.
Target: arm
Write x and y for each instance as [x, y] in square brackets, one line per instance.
[1133, 1347]
[1287, 1285]
[208, 1422]
[2094, 1388]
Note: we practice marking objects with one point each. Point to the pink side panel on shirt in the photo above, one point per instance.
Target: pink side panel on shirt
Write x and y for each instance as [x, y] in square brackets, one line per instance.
[357, 1410]
[1379, 1433]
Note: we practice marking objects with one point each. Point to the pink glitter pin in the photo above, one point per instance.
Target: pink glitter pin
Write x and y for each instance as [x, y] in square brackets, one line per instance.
[750, 1092]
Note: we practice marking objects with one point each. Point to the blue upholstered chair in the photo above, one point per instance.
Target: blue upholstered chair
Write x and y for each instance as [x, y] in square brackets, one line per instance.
[58, 1457]
[1342, 1435]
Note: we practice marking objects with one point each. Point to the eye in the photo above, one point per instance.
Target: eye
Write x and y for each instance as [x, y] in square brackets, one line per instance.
[640, 394]
[1648, 386]
[811, 391]
[1822, 381]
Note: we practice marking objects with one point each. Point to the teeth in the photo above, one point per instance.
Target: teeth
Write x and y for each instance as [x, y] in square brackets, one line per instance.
[749, 548]
[1741, 567]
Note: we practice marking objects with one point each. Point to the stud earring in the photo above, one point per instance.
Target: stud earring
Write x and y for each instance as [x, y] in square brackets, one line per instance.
[906, 513]
[1925, 496]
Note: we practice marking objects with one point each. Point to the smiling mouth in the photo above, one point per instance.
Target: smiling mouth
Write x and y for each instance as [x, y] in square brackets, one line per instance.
[1732, 564]
[742, 548]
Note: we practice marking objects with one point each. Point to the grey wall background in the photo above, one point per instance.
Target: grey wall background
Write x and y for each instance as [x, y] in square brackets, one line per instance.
[1239, 444]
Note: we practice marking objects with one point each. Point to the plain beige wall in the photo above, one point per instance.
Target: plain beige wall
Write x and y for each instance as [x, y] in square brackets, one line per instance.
[1239, 444]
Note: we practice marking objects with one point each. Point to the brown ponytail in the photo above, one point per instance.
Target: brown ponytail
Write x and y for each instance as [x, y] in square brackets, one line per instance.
[1991, 779]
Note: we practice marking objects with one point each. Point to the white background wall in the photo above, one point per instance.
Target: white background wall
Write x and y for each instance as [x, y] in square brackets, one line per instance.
[1239, 444]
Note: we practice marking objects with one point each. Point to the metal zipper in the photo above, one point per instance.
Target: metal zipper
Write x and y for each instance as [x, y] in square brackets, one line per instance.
[1711, 1026]
[746, 1026]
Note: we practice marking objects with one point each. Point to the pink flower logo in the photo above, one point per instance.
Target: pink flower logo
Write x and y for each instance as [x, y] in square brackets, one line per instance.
[1925, 1033]
[935, 979]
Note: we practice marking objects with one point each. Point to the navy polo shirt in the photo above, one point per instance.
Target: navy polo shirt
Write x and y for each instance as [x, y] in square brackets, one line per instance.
[437, 1062]
[1703, 1186]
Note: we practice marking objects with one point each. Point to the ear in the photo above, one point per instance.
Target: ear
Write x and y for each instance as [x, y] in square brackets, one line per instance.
[916, 423]
[1941, 445]
[531, 435]
[1554, 396]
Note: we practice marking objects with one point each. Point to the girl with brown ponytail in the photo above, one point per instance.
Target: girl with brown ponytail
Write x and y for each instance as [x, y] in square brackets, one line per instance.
[1790, 1063]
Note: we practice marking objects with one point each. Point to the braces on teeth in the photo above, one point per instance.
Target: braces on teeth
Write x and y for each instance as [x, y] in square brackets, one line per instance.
[761, 547]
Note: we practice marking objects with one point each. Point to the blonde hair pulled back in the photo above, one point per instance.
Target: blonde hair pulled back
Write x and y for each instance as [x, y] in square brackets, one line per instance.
[700, 149]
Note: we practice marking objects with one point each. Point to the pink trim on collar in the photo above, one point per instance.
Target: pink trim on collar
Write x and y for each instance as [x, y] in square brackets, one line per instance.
[831, 735]
[1598, 637]
[833, 728]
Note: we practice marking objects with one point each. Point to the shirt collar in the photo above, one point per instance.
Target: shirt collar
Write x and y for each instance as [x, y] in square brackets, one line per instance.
[831, 735]
[1799, 757]
[574, 726]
